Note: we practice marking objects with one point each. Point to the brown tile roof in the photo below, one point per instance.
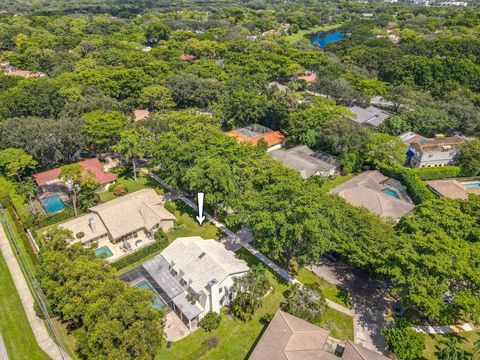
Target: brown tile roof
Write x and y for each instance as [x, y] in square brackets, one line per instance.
[439, 144]
[272, 138]
[453, 188]
[290, 338]
[308, 78]
[93, 165]
[140, 114]
[366, 190]
[357, 352]
[187, 57]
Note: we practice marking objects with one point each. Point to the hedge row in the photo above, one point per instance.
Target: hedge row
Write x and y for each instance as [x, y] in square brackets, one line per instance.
[416, 188]
[436, 173]
[160, 244]
[47, 220]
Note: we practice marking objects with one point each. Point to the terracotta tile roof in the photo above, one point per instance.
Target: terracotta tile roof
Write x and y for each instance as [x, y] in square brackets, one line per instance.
[308, 78]
[93, 165]
[140, 114]
[272, 138]
[188, 57]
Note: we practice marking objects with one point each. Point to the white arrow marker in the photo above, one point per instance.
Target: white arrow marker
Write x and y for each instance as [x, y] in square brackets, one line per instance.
[200, 218]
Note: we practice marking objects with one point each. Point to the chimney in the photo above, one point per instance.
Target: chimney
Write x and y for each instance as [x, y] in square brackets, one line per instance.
[92, 224]
[214, 296]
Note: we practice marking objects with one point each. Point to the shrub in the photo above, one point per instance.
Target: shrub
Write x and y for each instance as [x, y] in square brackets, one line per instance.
[47, 220]
[120, 190]
[245, 305]
[416, 188]
[80, 235]
[211, 321]
[404, 342]
[435, 173]
[212, 342]
[305, 303]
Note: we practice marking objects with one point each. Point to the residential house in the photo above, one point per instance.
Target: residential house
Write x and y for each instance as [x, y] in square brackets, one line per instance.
[440, 151]
[371, 116]
[378, 193]
[11, 70]
[410, 137]
[288, 337]
[131, 220]
[307, 162]
[140, 114]
[309, 77]
[454, 189]
[192, 276]
[254, 134]
[49, 181]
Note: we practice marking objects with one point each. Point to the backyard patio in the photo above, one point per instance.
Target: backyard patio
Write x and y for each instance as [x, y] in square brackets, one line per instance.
[111, 252]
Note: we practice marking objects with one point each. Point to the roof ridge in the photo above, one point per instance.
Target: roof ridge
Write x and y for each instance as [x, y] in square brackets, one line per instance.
[356, 350]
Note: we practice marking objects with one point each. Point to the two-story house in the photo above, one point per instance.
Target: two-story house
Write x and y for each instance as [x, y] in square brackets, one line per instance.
[439, 151]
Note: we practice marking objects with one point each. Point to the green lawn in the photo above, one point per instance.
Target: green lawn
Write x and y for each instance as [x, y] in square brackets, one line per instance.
[14, 327]
[237, 338]
[143, 181]
[328, 290]
[336, 180]
[466, 342]
[187, 225]
[299, 35]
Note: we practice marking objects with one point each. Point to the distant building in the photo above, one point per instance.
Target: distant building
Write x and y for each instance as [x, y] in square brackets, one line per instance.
[390, 1]
[282, 88]
[440, 151]
[255, 133]
[453, 3]
[288, 337]
[50, 180]
[187, 57]
[378, 193]
[367, 15]
[454, 189]
[11, 70]
[307, 162]
[371, 116]
[309, 77]
[140, 114]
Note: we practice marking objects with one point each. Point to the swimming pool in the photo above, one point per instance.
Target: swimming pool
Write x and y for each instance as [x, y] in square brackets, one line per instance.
[158, 303]
[391, 192]
[471, 184]
[103, 252]
[52, 204]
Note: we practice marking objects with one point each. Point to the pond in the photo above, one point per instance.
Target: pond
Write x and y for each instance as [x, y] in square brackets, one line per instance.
[321, 38]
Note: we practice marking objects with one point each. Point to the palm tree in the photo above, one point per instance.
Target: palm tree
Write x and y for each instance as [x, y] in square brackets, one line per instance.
[451, 351]
[132, 146]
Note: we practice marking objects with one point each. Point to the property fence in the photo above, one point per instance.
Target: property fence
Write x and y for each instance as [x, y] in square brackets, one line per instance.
[32, 282]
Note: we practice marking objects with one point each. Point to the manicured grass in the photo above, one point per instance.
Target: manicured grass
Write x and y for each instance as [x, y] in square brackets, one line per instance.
[14, 326]
[237, 338]
[187, 225]
[434, 343]
[336, 180]
[143, 181]
[330, 291]
[299, 35]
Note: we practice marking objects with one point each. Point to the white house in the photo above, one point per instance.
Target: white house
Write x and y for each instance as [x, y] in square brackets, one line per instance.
[193, 276]
[440, 151]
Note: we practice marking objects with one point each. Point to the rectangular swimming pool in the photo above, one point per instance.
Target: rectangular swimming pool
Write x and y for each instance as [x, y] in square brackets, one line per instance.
[158, 303]
[471, 184]
[103, 252]
[52, 204]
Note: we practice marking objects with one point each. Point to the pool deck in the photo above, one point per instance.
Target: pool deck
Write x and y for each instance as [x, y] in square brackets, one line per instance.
[117, 250]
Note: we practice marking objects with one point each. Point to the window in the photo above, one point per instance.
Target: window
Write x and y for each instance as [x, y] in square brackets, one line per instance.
[220, 290]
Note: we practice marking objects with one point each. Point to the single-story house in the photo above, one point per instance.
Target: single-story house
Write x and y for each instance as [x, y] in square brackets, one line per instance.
[309, 77]
[140, 213]
[371, 116]
[439, 151]
[192, 276]
[254, 133]
[380, 194]
[49, 181]
[140, 114]
[454, 189]
[307, 162]
[288, 337]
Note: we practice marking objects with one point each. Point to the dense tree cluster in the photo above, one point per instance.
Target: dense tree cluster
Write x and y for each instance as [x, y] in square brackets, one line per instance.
[112, 319]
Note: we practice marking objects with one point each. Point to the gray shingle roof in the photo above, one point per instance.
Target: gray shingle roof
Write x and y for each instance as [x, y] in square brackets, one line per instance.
[370, 116]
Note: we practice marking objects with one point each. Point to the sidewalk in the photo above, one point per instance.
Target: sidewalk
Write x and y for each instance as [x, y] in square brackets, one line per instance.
[3, 351]
[39, 330]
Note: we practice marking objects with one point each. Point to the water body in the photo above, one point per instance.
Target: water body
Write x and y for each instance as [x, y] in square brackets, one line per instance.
[321, 39]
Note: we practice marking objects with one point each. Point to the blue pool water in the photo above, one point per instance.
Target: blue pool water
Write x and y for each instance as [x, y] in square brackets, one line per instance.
[103, 252]
[472, 184]
[321, 39]
[391, 192]
[158, 302]
[52, 204]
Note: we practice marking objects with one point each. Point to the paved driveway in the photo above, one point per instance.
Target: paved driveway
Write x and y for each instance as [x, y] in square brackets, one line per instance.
[369, 298]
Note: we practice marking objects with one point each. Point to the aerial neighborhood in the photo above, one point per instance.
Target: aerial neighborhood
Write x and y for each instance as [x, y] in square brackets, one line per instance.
[242, 180]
